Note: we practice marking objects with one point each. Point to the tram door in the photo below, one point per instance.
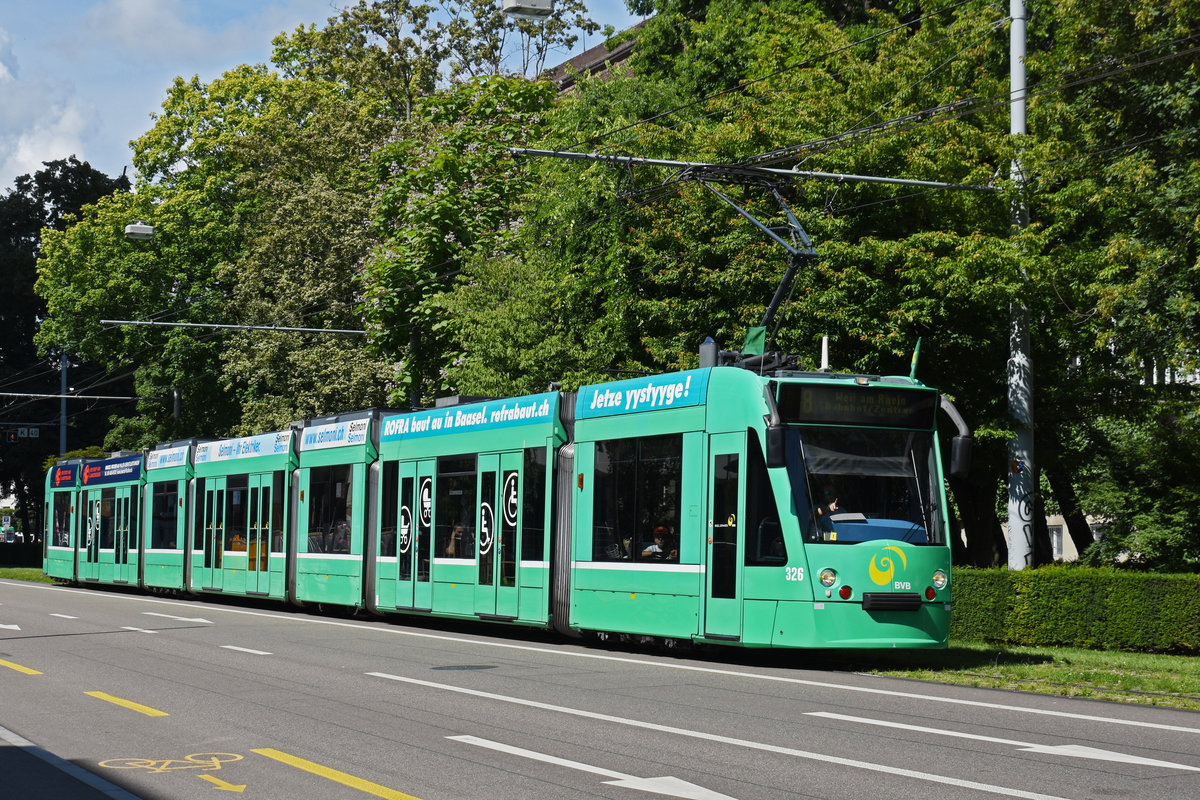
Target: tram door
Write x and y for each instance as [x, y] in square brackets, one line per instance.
[259, 525]
[111, 532]
[498, 519]
[726, 507]
[125, 535]
[89, 549]
[212, 540]
[414, 539]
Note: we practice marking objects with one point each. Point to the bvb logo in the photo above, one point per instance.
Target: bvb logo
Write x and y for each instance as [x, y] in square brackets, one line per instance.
[883, 573]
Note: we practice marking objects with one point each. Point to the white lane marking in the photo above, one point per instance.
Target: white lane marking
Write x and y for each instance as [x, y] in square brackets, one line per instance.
[178, 619]
[1073, 750]
[137, 630]
[11, 627]
[713, 737]
[927, 698]
[64, 616]
[666, 785]
[245, 650]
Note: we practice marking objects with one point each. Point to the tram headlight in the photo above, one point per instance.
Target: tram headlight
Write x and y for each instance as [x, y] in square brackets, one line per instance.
[828, 577]
[939, 579]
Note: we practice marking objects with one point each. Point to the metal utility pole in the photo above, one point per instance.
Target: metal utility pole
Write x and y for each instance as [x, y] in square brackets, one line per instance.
[62, 408]
[1020, 365]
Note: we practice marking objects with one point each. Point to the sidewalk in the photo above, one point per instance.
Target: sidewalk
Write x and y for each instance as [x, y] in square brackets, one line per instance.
[28, 771]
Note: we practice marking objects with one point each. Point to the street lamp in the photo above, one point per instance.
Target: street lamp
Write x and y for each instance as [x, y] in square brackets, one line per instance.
[535, 10]
[139, 230]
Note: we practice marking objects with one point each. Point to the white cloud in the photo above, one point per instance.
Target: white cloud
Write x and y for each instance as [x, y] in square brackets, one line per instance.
[58, 133]
[9, 67]
[158, 30]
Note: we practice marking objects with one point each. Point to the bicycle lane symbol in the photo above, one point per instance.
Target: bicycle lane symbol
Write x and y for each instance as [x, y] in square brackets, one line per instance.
[208, 762]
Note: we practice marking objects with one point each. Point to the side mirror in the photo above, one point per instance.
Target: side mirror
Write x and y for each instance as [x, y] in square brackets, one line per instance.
[960, 456]
[776, 446]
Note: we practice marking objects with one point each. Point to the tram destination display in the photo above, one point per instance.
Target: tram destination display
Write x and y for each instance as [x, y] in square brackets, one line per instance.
[851, 404]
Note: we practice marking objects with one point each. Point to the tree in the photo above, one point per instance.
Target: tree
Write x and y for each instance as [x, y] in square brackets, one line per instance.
[388, 49]
[43, 200]
[1116, 197]
[445, 195]
[263, 225]
[643, 283]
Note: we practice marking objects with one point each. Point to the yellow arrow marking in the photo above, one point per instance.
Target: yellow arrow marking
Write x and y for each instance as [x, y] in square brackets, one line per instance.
[343, 778]
[132, 706]
[19, 668]
[224, 786]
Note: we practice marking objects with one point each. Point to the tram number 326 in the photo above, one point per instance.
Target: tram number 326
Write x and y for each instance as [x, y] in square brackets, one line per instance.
[795, 573]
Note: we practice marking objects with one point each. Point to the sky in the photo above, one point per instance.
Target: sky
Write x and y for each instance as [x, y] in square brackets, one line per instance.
[82, 77]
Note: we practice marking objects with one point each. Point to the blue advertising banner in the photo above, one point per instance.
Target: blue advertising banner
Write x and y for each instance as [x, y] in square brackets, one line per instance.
[656, 393]
[494, 414]
[112, 470]
[62, 475]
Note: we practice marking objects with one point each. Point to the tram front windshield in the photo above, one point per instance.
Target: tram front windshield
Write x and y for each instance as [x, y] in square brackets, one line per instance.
[864, 484]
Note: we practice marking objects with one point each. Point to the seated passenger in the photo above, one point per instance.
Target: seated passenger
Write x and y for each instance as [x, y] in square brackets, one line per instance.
[659, 550]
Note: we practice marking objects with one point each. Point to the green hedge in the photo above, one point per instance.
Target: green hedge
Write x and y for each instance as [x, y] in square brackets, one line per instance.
[1071, 606]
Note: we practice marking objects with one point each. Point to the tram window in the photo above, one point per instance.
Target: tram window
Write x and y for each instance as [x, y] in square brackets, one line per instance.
[236, 491]
[62, 520]
[506, 518]
[533, 505]
[198, 514]
[132, 521]
[330, 498]
[883, 482]
[164, 514]
[107, 500]
[723, 563]
[487, 528]
[405, 535]
[636, 491]
[454, 505]
[277, 519]
[764, 534]
[389, 508]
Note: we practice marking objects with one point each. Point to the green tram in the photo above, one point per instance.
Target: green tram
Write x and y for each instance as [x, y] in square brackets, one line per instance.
[336, 473]
[716, 505]
[239, 512]
[61, 526]
[92, 531]
[168, 476]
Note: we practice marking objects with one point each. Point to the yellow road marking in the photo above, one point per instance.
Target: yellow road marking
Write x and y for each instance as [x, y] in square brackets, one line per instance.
[132, 706]
[224, 786]
[343, 778]
[19, 668]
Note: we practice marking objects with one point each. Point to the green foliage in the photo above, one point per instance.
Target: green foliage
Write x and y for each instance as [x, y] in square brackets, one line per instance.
[388, 50]
[1078, 607]
[445, 195]
[260, 219]
[47, 199]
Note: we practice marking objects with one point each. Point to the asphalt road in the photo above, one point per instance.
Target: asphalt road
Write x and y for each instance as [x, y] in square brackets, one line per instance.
[181, 698]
